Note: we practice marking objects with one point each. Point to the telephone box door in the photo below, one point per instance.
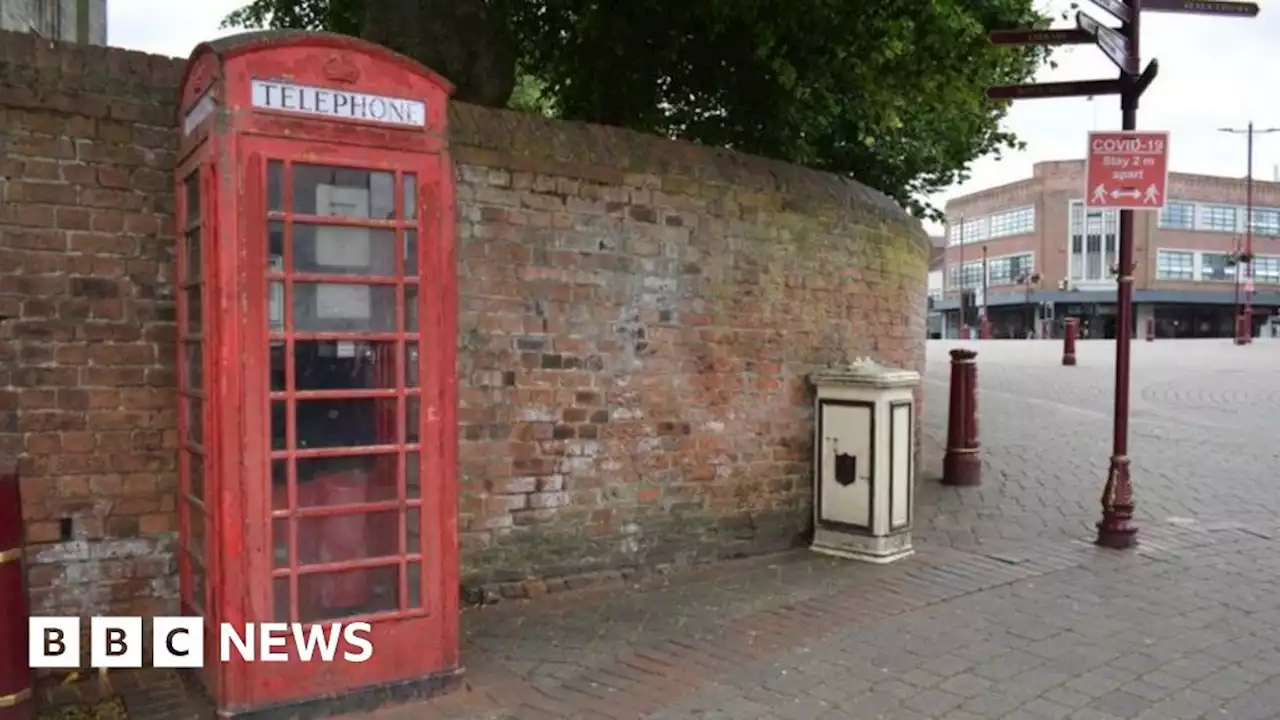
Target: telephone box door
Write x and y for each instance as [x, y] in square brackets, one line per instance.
[352, 376]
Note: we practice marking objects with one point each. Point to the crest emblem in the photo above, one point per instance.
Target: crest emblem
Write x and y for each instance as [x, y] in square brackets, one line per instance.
[340, 69]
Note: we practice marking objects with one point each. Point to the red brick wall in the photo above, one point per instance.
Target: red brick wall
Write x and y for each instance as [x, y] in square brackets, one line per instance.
[637, 320]
[86, 383]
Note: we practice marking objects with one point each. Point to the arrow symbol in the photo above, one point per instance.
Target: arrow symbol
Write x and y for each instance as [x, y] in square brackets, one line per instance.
[1126, 192]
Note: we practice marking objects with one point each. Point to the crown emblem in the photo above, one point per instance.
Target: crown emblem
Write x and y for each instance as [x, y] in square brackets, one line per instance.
[340, 69]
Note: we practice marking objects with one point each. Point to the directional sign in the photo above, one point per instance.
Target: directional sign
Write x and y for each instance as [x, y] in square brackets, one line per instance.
[1074, 88]
[1027, 36]
[1115, 45]
[1144, 80]
[1122, 12]
[1127, 170]
[1203, 7]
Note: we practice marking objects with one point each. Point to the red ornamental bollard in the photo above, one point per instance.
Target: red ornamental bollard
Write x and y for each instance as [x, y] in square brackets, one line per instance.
[1151, 329]
[16, 686]
[1243, 331]
[1069, 342]
[962, 465]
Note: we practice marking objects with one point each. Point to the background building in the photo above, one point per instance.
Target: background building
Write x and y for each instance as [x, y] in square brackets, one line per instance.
[1185, 278]
[80, 21]
[937, 282]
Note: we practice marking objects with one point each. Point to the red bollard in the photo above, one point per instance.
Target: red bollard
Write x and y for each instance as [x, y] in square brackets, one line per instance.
[984, 330]
[962, 466]
[1151, 329]
[1069, 342]
[1243, 331]
[17, 701]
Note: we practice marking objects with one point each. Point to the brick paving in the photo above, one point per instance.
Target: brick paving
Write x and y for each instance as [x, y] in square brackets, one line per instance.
[1006, 611]
[1202, 438]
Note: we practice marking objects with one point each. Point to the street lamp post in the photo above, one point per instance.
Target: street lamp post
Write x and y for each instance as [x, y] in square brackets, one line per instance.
[964, 283]
[1244, 320]
[1026, 280]
[985, 328]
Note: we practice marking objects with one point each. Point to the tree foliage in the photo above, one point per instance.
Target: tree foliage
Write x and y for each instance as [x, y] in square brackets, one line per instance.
[889, 92]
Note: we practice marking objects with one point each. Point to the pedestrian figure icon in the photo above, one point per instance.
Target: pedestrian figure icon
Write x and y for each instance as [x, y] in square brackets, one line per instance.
[1152, 196]
[1100, 195]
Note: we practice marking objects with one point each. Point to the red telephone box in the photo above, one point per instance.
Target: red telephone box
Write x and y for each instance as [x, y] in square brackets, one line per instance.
[316, 301]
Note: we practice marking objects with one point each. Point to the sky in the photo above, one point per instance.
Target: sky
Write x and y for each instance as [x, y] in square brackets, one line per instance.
[1215, 72]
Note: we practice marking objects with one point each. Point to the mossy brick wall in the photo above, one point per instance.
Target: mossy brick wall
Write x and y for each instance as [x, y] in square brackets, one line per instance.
[637, 320]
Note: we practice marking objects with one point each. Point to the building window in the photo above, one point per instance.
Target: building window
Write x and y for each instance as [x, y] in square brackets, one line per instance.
[972, 272]
[1178, 215]
[1220, 218]
[1174, 265]
[1009, 269]
[1093, 240]
[1216, 266]
[1012, 222]
[1266, 270]
[1265, 221]
[973, 230]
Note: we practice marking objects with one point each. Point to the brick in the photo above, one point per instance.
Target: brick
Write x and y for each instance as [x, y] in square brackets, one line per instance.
[594, 326]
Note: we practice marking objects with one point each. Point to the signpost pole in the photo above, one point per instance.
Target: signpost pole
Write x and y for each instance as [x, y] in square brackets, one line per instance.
[1116, 528]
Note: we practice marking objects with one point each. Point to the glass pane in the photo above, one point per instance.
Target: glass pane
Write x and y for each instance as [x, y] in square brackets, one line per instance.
[322, 596]
[344, 250]
[195, 419]
[197, 585]
[412, 419]
[338, 365]
[194, 365]
[414, 579]
[195, 309]
[195, 475]
[413, 530]
[333, 307]
[349, 536]
[280, 598]
[343, 192]
[410, 253]
[280, 541]
[276, 366]
[349, 480]
[413, 475]
[192, 184]
[410, 196]
[346, 422]
[192, 255]
[275, 246]
[275, 186]
[411, 369]
[278, 419]
[195, 530]
[279, 484]
[411, 308]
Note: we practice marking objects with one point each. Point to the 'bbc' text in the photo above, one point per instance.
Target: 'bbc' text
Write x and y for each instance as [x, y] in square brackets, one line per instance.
[179, 642]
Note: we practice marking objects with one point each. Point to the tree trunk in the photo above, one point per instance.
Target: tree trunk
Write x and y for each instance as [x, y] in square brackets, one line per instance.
[456, 38]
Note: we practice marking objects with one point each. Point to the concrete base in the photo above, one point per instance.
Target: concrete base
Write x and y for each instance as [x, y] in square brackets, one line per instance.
[879, 550]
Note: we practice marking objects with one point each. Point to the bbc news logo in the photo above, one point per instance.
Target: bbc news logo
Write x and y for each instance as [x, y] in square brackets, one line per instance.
[178, 642]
